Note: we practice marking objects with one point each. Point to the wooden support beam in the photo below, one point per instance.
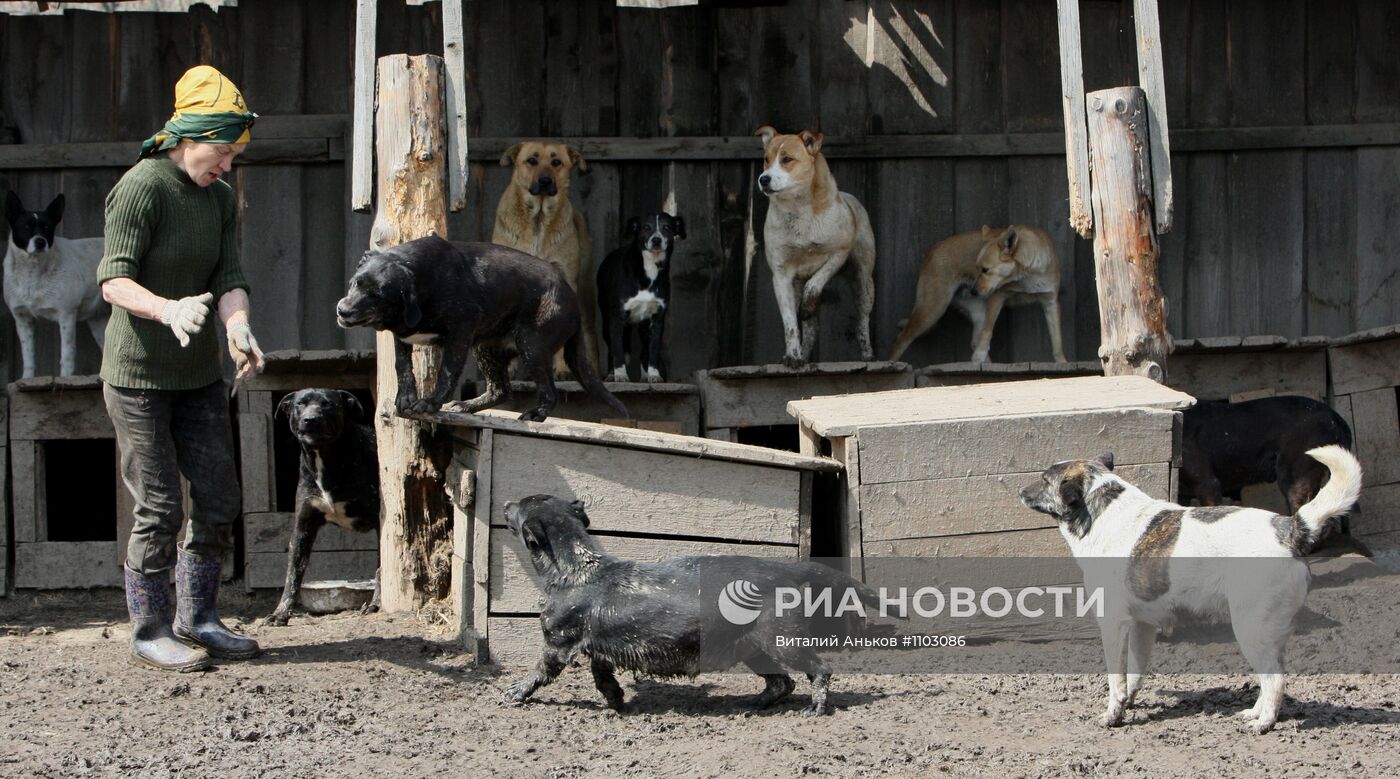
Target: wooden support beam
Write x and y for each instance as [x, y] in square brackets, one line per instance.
[454, 53]
[1149, 46]
[362, 147]
[415, 531]
[1081, 217]
[1132, 312]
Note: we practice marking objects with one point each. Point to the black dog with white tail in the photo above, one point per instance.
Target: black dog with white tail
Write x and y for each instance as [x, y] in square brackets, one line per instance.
[471, 296]
[634, 290]
[679, 617]
[339, 480]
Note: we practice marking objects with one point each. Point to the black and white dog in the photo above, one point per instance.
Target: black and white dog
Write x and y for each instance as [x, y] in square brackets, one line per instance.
[47, 277]
[1157, 562]
[339, 480]
[471, 297]
[634, 290]
[666, 619]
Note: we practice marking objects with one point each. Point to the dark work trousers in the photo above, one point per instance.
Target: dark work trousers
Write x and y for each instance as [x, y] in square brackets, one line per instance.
[164, 434]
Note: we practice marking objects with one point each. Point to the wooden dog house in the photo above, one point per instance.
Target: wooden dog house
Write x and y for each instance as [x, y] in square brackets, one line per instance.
[650, 496]
[1365, 374]
[667, 407]
[936, 472]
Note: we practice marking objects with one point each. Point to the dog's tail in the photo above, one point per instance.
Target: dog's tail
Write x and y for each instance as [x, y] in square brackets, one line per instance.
[1338, 496]
[576, 357]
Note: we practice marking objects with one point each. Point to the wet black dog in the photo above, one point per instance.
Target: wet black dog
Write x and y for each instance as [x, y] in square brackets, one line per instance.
[634, 291]
[471, 296]
[679, 617]
[1229, 446]
[339, 480]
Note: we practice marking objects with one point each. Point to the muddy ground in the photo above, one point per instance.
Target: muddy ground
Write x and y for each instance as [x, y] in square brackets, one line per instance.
[346, 695]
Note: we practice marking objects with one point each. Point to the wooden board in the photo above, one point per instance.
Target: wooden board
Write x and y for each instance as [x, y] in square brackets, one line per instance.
[985, 447]
[60, 414]
[844, 415]
[972, 504]
[514, 642]
[644, 492]
[1217, 376]
[1376, 434]
[53, 565]
[662, 402]
[268, 570]
[1380, 510]
[749, 396]
[269, 532]
[1041, 542]
[959, 373]
[1365, 365]
[513, 583]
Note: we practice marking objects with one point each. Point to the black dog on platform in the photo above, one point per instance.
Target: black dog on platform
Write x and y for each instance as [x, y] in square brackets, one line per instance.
[471, 296]
[677, 617]
[634, 289]
[1229, 446]
[339, 480]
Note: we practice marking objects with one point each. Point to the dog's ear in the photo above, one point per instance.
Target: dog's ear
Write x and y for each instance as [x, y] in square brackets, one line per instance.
[412, 314]
[633, 226]
[680, 227]
[1009, 243]
[352, 405]
[813, 141]
[508, 157]
[767, 133]
[1071, 495]
[13, 207]
[55, 210]
[582, 515]
[988, 233]
[285, 406]
[577, 159]
[1105, 459]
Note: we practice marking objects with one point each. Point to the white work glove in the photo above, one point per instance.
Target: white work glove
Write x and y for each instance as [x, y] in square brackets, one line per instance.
[186, 316]
[243, 348]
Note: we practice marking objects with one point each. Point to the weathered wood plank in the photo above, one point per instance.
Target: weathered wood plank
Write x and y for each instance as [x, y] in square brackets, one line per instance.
[974, 504]
[839, 416]
[1377, 435]
[1218, 376]
[513, 584]
[61, 414]
[957, 373]
[453, 44]
[997, 445]
[481, 539]
[362, 147]
[1209, 249]
[668, 402]
[269, 532]
[1153, 82]
[1330, 240]
[255, 448]
[1365, 365]
[763, 399]
[848, 524]
[1040, 542]
[1380, 510]
[268, 570]
[54, 565]
[1081, 216]
[515, 642]
[643, 492]
[26, 471]
[1377, 292]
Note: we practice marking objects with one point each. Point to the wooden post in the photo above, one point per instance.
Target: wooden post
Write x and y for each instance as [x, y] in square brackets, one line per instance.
[415, 532]
[1149, 44]
[1132, 312]
[1076, 134]
[362, 131]
[453, 51]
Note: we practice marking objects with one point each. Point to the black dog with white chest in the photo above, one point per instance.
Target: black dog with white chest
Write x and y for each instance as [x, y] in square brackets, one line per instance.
[634, 290]
[468, 297]
[662, 619]
[339, 480]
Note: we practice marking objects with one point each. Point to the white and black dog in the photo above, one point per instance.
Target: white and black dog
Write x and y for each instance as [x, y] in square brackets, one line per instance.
[634, 290]
[47, 277]
[1157, 561]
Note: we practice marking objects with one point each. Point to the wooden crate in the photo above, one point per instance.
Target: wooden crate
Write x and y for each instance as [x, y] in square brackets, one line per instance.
[958, 373]
[1365, 374]
[650, 496]
[266, 524]
[757, 395]
[936, 472]
[664, 406]
[1235, 368]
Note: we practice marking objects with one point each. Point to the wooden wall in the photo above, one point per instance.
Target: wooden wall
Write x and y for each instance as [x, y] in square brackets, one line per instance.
[1285, 117]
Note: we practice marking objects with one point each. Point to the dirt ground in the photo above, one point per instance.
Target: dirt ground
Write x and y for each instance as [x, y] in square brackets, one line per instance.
[346, 695]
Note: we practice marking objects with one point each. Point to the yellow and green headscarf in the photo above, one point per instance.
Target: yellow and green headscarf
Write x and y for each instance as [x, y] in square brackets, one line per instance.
[208, 109]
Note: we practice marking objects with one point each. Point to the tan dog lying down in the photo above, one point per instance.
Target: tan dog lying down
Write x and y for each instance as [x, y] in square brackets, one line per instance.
[536, 217]
[980, 271]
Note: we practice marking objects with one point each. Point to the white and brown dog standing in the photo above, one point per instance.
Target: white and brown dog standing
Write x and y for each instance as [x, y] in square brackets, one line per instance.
[978, 272]
[47, 277]
[811, 231]
[536, 217]
[1157, 561]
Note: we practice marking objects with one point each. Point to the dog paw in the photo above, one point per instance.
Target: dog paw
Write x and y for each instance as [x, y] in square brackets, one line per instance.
[369, 608]
[455, 407]
[793, 361]
[276, 619]
[816, 710]
[1260, 727]
[534, 415]
[980, 357]
[618, 374]
[518, 692]
[652, 376]
[1112, 718]
[1248, 715]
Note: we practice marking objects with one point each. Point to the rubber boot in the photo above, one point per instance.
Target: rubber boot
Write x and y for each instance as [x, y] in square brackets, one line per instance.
[196, 619]
[153, 644]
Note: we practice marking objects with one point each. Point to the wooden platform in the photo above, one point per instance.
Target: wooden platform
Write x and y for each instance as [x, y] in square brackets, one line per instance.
[958, 373]
[937, 471]
[1240, 368]
[757, 395]
[666, 407]
[650, 496]
[1365, 373]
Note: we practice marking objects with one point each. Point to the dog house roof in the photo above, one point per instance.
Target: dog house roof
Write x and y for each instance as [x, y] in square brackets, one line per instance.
[835, 416]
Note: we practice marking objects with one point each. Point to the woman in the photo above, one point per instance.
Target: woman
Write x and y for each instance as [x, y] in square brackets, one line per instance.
[172, 251]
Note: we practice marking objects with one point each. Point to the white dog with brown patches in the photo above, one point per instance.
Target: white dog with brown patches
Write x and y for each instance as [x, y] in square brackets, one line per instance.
[811, 231]
[1156, 561]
